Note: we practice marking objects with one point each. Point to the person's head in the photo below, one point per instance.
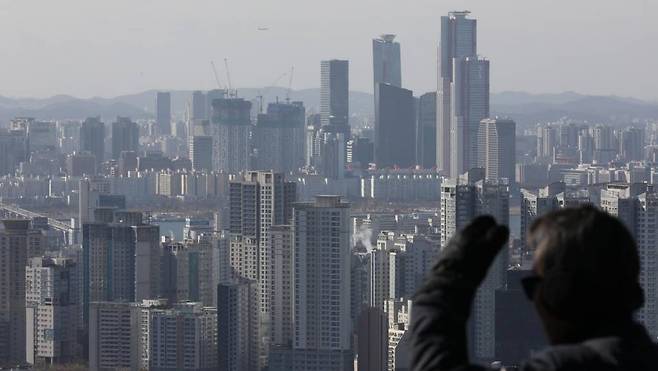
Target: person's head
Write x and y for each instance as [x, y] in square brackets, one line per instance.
[586, 271]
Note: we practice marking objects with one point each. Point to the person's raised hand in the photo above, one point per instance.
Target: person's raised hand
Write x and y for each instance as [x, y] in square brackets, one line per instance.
[472, 250]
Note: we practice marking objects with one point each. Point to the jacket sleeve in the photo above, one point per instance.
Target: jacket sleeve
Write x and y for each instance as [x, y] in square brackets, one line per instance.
[442, 306]
[438, 323]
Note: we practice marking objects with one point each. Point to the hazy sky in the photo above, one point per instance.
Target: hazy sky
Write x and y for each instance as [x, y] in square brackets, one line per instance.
[107, 48]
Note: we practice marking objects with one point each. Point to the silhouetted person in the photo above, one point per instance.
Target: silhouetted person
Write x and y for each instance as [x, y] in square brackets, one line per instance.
[584, 286]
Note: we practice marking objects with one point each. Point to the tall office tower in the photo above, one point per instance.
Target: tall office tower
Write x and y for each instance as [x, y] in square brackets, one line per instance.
[386, 61]
[92, 138]
[372, 335]
[426, 131]
[125, 136]
[237, 325]
[497, 143]
[332, 154]
[470, 105]
[334, 96]
[163, 112]
[13, 150]
[458, 41]
[52, 311]
[604, 144]
[547, 141]
[632, 144]
[282, 241]
[460, 203]
[322, 324]
[279, 138]
[114, 336]
[201, 152]
[199, 105]
[262, 199]
[231, 127]
[18, 243]
[395, 122]
[195, 329]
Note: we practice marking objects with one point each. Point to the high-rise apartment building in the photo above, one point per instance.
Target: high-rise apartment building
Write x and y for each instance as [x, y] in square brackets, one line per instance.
[631, 144]
[200, 147]
[53, 316]
[497, 143]
[163, 112]
[18, 243]
[372, 335]
[386, 61]
[469, 105]
[282, 241]
[636, 205]
[121, 258]
[237, 325]
[322, 323]
[114, 336]
[257, 202]
[605, 148]
[194, 328]
[230, 130]
[334, 96]
[332, 154]
[92, 138]
[279, 138]
[461, 203]
[395, 124]
[125, 136]
[458, 41]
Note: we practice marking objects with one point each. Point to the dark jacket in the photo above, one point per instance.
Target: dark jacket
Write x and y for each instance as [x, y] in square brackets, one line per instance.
[438, 329]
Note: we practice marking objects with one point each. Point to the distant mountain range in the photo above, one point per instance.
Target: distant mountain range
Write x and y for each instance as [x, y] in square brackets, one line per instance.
[523, 107]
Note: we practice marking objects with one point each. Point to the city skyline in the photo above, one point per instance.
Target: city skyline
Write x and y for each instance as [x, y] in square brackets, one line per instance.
[156, 52]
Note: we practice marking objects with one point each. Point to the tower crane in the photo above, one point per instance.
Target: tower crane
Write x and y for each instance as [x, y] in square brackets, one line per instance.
[214, 71]
[228, 79]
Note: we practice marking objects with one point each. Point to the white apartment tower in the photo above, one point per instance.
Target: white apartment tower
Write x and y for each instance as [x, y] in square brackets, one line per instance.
[53, 312]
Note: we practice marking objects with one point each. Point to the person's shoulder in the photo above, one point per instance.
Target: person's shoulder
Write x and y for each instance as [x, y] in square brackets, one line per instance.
[573, 357]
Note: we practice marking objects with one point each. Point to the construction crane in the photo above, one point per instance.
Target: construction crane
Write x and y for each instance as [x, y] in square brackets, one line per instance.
[292, 73]
[262, 94]
[214, 70]
[228, 79]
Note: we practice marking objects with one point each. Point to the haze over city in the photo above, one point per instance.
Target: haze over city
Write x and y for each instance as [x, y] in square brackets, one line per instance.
[85, 49]
[328, 186]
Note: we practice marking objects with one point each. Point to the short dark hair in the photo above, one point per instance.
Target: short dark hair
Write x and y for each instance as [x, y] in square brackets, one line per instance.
[590, 264]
